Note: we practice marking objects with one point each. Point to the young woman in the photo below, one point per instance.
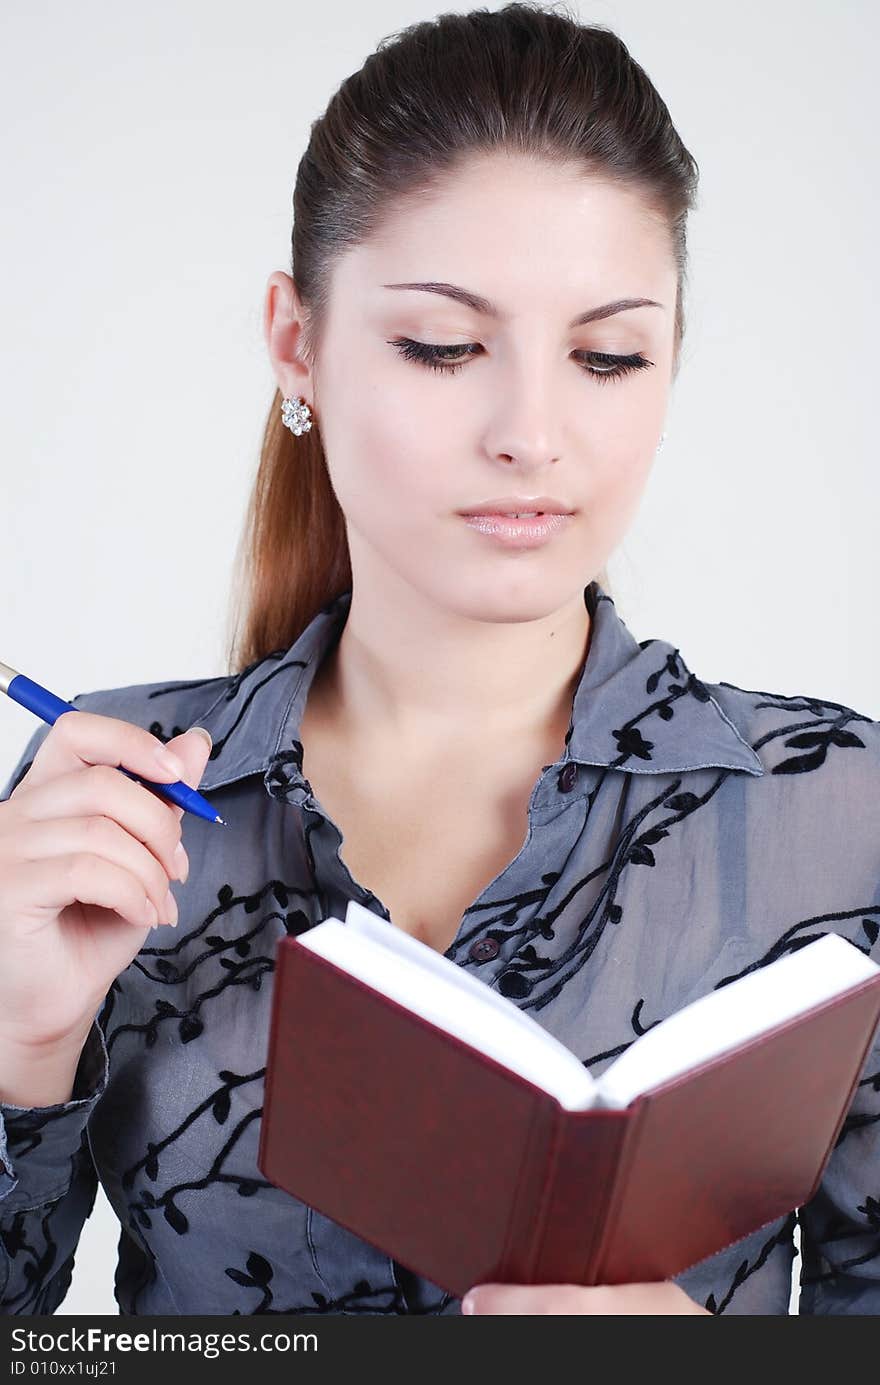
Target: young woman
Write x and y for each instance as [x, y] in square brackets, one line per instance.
[434, 708]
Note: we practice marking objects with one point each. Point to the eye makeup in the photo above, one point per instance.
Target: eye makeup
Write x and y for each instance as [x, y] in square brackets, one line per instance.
[599, 365]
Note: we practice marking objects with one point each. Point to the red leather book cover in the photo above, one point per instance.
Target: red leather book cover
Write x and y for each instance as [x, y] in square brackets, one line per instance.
[466, 1172]
[733, 1144]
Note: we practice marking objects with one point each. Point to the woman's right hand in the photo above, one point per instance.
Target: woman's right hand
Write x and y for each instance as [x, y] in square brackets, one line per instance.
[86, 859]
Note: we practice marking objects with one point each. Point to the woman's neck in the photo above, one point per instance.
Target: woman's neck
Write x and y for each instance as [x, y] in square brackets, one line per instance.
[447, 680]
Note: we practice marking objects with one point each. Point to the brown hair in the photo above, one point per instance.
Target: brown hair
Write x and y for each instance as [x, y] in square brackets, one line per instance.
[524, 78]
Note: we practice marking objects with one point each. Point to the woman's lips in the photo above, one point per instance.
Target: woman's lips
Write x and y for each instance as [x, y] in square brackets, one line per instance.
[518, 533]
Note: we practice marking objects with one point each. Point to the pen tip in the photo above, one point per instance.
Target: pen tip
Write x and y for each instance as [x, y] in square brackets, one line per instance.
[220, 820]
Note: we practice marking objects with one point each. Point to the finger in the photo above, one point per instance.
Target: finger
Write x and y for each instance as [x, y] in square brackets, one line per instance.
[78, 740]
[531, 1299]
[98, 790]
[193, 749]
[37, 886]
[45, 841]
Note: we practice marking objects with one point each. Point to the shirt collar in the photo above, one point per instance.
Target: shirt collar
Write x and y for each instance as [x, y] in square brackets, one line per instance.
[637, 706]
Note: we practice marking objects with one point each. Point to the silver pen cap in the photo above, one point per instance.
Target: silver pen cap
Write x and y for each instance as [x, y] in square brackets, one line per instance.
[6, 676]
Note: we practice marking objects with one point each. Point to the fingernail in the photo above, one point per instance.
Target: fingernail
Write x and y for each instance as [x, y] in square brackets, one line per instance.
[180, 860]
[171, 909]
[468, 1303]
[202, 732]
[170, 762]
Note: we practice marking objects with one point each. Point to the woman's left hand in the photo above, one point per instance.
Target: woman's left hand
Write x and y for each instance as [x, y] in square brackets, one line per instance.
[664, 1296]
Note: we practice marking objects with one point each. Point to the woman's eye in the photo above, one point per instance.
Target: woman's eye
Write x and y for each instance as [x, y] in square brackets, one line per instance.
[435, 357]
[449, 359]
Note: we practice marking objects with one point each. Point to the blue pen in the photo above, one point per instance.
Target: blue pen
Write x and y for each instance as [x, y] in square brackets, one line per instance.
[46, 705]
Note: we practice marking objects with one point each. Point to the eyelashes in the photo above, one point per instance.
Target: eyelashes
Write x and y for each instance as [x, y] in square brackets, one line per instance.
[603, 367]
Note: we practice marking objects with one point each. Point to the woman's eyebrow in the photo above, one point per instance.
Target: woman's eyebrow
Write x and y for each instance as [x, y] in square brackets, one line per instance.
[488, 309]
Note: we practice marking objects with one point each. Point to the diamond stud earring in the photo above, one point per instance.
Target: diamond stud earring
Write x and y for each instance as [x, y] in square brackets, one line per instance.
[296, 415]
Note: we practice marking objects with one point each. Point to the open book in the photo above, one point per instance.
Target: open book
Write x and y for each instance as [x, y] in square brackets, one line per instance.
[409, 1102]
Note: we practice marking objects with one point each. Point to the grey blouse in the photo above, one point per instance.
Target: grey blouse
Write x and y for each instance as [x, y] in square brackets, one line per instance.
[688, 833]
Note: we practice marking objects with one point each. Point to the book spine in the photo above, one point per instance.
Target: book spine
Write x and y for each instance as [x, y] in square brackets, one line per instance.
[522, 1242]
[582, 1170]
[629, 1143]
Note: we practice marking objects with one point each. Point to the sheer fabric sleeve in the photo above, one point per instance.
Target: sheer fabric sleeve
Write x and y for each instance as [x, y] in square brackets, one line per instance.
[48, 1185]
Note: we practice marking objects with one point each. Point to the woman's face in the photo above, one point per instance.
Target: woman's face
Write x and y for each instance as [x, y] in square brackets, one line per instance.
[409, 447]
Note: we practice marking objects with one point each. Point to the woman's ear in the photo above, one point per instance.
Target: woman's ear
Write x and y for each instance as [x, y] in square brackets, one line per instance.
[283, 325]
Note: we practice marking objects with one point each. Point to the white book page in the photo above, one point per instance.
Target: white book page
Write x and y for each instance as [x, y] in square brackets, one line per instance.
[364, 921]
[737, 1012]
[435, 988]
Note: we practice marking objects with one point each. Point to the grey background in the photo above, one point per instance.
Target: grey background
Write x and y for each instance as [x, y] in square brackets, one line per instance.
[149, 155]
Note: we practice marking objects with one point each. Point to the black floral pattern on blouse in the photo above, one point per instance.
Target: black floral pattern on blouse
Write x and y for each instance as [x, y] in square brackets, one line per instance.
[689, 833]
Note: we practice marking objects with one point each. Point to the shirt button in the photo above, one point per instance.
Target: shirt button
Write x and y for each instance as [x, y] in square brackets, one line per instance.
[568, 777]
[484, 949]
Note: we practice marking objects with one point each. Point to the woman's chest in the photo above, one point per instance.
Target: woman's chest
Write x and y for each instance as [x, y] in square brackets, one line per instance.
[425, 842]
